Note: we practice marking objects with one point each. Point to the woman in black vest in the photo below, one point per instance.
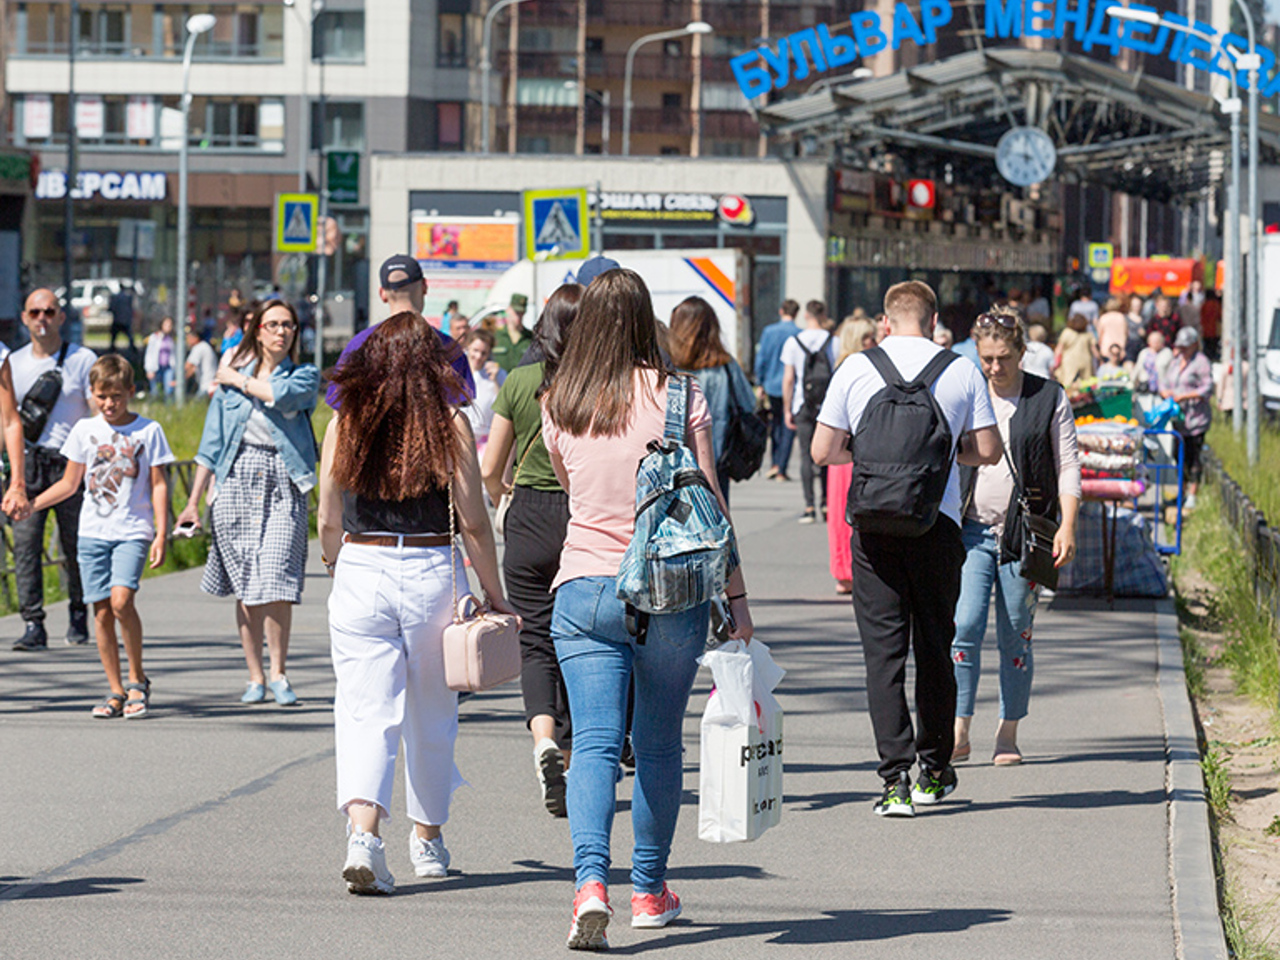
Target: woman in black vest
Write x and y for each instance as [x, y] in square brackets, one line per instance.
[1039, 434]
[398, 460]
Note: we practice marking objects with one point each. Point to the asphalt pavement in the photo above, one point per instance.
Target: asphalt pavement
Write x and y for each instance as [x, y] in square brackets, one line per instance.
[209, 829]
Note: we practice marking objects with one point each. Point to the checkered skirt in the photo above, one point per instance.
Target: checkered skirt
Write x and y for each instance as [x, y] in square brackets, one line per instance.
[258, 550]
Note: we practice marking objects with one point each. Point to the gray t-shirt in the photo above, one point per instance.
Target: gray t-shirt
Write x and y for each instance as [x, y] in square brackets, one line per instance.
[72, 404]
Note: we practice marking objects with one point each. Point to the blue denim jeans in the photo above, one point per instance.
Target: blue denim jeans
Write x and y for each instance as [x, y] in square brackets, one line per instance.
[598, 659]
[1015, 611]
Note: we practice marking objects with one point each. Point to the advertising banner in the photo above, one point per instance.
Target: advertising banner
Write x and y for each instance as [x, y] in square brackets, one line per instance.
[466, 243]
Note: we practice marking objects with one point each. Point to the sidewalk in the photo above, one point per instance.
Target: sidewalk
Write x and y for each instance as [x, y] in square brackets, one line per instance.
[208, 830]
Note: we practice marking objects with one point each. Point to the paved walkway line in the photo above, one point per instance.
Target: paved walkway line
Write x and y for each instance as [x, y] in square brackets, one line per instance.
[1197, 922]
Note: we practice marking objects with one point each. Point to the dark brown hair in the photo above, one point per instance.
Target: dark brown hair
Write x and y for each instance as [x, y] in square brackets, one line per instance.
[481, 334]
[552, 329]
[695, 336]
[614, 335]
[250, 348]
[397, 393]
[789, 309]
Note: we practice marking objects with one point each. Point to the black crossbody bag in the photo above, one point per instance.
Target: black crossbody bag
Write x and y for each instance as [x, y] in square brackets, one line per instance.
[1034, 536]
[39, 401]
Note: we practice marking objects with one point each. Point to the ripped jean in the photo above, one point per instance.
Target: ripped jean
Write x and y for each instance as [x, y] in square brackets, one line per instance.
[1015, 611]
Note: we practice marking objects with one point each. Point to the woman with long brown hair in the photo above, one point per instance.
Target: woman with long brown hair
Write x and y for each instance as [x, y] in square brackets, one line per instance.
[535, 530]
[607, 403]
[258, 444]
[696, 349]
[398, 461]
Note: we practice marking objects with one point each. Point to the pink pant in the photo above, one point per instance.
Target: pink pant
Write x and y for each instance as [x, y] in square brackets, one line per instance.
[838, 532]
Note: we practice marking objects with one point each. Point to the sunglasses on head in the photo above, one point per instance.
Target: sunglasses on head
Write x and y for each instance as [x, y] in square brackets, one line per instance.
[37, 312]
[996, 320]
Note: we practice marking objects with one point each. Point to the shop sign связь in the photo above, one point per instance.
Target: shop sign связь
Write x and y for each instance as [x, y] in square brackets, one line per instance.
[108, 185]
[817, 50]
[684, 207]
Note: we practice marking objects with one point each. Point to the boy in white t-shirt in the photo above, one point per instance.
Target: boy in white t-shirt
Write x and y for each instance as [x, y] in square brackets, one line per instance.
[120, 458]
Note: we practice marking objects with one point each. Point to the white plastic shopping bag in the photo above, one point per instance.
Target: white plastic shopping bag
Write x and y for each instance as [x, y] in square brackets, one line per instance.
[740, 776]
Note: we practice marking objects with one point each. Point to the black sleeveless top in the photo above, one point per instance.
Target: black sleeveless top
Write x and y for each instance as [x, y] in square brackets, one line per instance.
[427, 514]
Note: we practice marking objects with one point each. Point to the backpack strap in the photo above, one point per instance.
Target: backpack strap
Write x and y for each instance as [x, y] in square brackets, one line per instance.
[673, 430]
[62, 354]
[935, 367]
[884, 366]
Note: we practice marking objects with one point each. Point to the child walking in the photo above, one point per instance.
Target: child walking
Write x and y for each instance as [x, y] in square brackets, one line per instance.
[120, 458]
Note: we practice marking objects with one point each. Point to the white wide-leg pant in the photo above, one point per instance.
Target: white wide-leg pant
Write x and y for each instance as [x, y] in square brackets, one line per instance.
[387, 611]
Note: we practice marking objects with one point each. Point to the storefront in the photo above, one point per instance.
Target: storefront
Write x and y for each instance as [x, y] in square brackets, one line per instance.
[773, 210]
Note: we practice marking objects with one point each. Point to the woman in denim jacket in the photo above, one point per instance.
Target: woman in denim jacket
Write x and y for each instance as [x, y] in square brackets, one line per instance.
[258, 446]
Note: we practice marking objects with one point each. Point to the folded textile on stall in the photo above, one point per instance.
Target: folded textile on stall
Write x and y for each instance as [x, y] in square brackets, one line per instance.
[1139, 571]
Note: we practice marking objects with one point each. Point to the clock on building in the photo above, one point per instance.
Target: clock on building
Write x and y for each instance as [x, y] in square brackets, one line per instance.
[1025, 155]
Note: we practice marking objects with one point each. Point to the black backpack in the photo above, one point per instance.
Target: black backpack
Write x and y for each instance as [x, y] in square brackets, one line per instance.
[817, 374]
[902, 452]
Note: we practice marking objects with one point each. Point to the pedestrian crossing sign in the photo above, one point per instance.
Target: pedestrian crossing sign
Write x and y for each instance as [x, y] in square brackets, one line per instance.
[296, 217]
[556, 224]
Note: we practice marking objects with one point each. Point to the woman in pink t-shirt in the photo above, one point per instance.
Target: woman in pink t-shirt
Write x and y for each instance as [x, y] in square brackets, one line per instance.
[607, 402]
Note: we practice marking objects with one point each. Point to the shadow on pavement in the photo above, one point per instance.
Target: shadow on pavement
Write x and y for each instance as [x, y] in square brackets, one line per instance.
[12, 888]
[840, 926]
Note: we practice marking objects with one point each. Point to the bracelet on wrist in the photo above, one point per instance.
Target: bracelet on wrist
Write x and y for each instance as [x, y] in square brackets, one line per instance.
[736, 596]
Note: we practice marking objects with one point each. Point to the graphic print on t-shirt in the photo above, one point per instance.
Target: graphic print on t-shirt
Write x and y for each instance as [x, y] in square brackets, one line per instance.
[109, 476]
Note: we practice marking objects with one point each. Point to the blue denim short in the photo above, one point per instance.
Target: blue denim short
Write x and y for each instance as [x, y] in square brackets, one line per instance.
[110, 563]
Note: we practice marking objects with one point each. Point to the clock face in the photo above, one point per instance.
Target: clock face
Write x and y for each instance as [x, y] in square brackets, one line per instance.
[1025, 155]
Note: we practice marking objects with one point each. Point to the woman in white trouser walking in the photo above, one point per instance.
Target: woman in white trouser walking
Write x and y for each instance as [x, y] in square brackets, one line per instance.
[390, 459]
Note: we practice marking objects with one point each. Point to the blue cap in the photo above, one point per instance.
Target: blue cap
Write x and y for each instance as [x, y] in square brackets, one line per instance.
[594, 267]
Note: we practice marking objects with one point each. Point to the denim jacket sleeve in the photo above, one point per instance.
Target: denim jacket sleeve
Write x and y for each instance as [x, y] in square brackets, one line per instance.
[212, 438]
[295, 387]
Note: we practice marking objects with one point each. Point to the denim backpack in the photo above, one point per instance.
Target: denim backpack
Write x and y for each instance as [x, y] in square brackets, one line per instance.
[683, 548]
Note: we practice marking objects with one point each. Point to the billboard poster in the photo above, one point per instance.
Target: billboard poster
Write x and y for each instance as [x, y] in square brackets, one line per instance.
[466, 243]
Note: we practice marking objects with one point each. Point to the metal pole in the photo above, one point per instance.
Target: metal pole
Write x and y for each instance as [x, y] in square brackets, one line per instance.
[180, 295]
[304, 116]
[604, 127]
[695, 27]
[1252, 64]
[1234, 263]
[486, 66]
[598, 244]
[68, 227]
[322, 267]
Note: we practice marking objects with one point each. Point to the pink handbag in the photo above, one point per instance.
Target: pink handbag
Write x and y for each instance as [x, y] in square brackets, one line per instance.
[481, 648]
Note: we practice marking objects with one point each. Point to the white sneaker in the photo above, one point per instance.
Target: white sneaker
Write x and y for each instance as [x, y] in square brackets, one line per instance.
[548, 763]
[366, 868]
[430, 858]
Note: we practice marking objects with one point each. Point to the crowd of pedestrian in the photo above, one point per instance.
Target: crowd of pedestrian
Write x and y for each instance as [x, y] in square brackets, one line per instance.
[926, 463]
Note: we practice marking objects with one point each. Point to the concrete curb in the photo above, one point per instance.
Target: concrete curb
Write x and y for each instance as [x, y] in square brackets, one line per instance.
[1197, 922]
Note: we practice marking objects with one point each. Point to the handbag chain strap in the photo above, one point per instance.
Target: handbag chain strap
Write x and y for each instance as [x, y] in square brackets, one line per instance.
[527, 450]
[453, 556]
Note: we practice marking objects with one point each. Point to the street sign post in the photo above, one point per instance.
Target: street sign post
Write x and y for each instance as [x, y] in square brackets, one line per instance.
[1101, 256]
[297, 219]
[556, 224]
[344, 176]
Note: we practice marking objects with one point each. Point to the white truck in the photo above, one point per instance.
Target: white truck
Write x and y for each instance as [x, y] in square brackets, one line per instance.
[1269, 322]
[719, 276]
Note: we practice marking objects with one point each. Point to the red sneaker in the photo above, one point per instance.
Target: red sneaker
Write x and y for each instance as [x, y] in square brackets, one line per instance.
[654, 910]
[591, 912]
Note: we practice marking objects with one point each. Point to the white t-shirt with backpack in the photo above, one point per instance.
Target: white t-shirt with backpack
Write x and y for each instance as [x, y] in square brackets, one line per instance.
[961, 393]
[793, 355]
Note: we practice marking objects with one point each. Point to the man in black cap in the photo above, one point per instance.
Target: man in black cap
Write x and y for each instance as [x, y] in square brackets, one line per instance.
[404, 288]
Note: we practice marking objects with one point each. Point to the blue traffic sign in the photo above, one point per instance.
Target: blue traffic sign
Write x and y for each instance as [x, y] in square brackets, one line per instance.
[556, 223]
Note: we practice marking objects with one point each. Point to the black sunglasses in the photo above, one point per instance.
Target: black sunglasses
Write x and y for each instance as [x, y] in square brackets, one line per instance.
[38, 312]
[992, 320]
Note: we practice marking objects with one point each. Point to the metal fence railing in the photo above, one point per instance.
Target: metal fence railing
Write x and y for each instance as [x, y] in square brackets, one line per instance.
[181, 473]
[1261, 542]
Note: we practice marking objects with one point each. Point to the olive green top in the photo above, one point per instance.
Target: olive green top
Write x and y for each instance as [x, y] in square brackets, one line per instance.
[518, 402]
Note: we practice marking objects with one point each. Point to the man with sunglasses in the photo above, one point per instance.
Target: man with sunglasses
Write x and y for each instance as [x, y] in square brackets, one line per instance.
[43, 317]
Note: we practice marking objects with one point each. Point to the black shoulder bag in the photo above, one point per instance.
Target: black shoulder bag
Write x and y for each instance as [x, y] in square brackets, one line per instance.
[1034, 536]
[744, 439]
[39, 401]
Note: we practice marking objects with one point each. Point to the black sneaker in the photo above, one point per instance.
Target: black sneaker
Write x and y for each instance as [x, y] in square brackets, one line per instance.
[932, 786]
[896, 801]
[34, 638]
[78, 629]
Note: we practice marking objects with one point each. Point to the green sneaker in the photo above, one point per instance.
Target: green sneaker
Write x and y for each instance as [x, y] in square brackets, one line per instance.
[932, 787]
[897, 798]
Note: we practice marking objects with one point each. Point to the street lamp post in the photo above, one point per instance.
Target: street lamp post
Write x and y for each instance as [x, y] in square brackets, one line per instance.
[1252, 62]
[68, 211]
[697, 26]
[604, 100]
[486, 66]
[196, 25]
[322, 218]
[1231, 235]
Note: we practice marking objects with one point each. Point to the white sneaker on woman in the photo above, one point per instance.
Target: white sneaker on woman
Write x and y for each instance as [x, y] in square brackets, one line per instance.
[430, 858]
[366, 868]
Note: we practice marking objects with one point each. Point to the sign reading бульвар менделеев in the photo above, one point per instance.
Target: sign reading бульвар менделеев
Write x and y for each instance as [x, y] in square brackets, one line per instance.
[1088, 22]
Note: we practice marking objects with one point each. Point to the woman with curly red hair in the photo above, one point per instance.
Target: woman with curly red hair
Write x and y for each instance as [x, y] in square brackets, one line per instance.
[397, 462]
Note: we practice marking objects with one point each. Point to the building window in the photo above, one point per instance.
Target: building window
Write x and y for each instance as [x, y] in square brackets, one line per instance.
[726, 148]
[222, 123]
[343, 127]
[449, 126]
[451, 40]
[338, 36]
[534, 145]
[670, 152]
